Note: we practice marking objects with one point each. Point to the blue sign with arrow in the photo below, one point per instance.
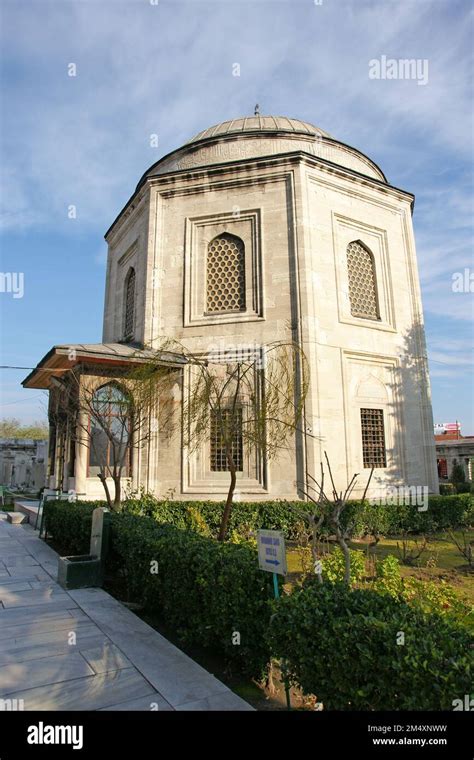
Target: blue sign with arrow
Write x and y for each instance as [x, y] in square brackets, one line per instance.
[271, 551]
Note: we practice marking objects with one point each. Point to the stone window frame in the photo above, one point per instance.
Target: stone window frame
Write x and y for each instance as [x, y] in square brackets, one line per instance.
[386, 369]
[197, 476]
[124, 263]
[375, 240]
[199, 232]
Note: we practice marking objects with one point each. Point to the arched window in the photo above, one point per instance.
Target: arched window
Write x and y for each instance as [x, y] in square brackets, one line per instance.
[109, 431]
[225, 274]
[129, 305]
[362, 281]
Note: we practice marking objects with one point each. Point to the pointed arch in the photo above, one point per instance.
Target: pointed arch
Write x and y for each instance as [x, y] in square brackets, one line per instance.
[362, 281]
[109, 429]
[129, 305]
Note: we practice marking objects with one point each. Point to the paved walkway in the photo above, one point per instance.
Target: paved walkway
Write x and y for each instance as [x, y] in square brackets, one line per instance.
[117, 662]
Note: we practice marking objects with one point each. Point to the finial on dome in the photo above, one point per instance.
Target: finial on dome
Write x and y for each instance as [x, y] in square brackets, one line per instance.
[257, 110]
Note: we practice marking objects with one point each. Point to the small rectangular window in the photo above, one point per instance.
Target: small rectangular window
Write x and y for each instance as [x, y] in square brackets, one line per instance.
[219, 434]
[373, 438]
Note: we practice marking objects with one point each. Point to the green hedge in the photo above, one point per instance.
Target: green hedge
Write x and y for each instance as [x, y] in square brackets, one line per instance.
[444, 512]
[273, 515]
[70, 524]
[341, 645]
[212, 594]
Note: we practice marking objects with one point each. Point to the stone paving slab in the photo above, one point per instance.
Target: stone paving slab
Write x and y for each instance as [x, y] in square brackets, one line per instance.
[91, 693]
[47, 595]
[105, 657]
[16, 614]
[52, 636]
[34, 572]
[151, 702]
[42, 672]
[85, 640]
[56, 621]
[118, 662]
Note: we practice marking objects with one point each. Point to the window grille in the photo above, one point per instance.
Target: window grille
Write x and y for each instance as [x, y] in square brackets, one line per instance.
[373, 438]
[129, 318]
[362, 282]
[225, 274]
[219, 434]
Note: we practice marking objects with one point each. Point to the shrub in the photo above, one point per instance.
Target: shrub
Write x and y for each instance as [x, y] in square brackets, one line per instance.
[444, 512]
[273, 515]
[457, 474]
[70, 523]
[446, 489]
[341, 645]
[207, 591]
[429, 596]
[463, 487]
[334, 567]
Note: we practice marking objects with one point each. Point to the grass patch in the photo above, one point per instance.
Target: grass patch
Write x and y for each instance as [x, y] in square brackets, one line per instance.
[440, 561]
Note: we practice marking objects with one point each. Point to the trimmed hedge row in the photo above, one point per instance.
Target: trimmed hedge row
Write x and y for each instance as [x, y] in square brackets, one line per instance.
[444, 512]
[273, 515]
[70, 523]
[344, 646]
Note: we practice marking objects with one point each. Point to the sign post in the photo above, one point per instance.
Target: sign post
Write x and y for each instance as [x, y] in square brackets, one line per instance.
[272, 559]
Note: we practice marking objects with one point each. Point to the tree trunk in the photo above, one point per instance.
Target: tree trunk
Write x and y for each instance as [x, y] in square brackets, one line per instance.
[103, 480]
[347, 556]
[117, 496]
[228, 505]
[314, 543]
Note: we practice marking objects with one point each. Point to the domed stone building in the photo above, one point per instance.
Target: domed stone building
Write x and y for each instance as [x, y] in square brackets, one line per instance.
[261, 229]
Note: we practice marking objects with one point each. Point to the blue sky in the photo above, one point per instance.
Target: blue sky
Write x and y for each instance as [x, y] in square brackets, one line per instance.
[167, 69]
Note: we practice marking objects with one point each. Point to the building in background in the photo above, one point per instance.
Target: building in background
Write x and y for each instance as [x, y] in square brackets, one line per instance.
[23, 463]
[257, 230]
[453, 448]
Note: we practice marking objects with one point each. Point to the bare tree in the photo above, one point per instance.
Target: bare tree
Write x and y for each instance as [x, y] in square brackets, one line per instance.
[249, 402]
[329, 511]
[464, 544]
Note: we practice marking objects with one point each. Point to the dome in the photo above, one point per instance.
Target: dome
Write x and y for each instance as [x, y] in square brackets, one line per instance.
[253, 137]
[255, 124]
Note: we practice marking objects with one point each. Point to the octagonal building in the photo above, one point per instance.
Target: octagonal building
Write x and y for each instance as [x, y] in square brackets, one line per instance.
[260, 229]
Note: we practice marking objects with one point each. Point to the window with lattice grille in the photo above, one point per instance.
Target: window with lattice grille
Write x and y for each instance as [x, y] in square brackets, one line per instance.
[225, 274]
[226, 425]
[129, 310]
[373, 438]
[362, 282]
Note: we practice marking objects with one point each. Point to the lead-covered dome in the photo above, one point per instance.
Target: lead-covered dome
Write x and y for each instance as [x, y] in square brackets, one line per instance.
[255, 124]
[251, 137]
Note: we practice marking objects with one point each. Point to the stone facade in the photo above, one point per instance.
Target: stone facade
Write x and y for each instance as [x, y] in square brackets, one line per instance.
[296, 198]
[23, 463]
